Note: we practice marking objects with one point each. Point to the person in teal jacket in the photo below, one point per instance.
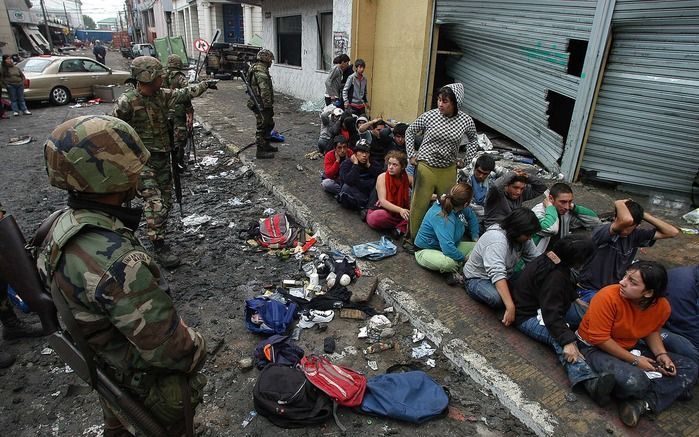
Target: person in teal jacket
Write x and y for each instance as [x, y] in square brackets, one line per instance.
[439, 238]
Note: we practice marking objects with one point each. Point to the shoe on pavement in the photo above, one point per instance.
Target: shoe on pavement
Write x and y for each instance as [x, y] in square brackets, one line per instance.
[27, 112]
[270, 148]
[164, 256]
[263, 154]
[6, 360]
[600, 388]
[630, 412]
[15, 113]
[15, 328]
[455, 279]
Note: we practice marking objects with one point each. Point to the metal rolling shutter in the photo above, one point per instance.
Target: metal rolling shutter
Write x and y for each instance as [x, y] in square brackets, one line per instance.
[514, 51]
[645, 128]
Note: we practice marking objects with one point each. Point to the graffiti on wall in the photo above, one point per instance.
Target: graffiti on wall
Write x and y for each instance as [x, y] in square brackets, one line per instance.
[340, 43]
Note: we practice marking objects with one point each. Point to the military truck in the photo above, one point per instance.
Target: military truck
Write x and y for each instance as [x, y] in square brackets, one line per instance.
[227, 60]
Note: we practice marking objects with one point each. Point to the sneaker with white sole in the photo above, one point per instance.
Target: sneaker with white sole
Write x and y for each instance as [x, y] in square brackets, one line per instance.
[27, 112]
[15, 113]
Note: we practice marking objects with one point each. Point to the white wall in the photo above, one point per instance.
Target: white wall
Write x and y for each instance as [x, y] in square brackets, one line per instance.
[305, 82]
[159, 15]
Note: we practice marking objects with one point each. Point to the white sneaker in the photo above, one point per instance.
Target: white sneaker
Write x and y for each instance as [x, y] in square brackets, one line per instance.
[27, 112]
[15, 113]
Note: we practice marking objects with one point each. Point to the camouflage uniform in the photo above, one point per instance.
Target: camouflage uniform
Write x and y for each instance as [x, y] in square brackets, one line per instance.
[148, 116]
[176, 79]
[113, 287]
[261, 83]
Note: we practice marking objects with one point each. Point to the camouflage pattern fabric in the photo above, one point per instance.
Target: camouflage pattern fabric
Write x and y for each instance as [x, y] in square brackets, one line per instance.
[122, 304]
[261, 84]
[148, 114]
[175, 79]
[94, 154]
[155, 189]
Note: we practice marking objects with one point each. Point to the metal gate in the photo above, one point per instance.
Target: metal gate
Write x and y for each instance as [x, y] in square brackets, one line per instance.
[645, 128]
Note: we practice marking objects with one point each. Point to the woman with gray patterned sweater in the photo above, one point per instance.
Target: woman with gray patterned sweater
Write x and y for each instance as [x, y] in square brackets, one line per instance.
[442, 130]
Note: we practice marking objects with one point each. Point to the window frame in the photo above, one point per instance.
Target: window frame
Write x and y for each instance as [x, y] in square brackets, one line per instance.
[282, 48]
[329, 43]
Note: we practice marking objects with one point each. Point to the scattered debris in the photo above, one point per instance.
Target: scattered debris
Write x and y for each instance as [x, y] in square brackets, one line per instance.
[350, 313]
[363, 332]
[690, 231]
[375, 250]
[372, 365]
[249, 418]
[571, 397]
[299, 167]
[313, 155]
[417, 336]
[46, 351]
[209, 161]
[245, 363]
[692, 217]
[268, 212]
[431, 362]
[378, 347]
[195, 220]
[19, 141]
[423, 350]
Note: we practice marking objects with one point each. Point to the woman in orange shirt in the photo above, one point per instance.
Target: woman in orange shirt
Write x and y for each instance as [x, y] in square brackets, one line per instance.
[647, 377]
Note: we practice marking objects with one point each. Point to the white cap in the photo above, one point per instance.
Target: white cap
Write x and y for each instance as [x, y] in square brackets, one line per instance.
[362, 119]
[337, 112]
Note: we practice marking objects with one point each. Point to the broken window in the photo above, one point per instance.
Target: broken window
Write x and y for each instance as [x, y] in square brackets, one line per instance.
[576, 56]
[325, 40]
[289, 40]
[560, 113]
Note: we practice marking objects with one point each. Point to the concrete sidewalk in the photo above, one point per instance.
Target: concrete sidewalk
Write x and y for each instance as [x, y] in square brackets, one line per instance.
[522, 374]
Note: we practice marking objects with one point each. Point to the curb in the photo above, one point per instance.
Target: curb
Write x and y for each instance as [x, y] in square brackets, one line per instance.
[531, 414]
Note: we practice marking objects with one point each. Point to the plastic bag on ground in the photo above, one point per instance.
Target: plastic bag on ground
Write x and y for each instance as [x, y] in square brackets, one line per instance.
[375, 250]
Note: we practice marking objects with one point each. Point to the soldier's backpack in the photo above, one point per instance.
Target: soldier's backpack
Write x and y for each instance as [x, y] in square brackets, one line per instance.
[276, 232]
[278, 349]
[268, 316]
[410, 396]
[283, 395]
[345, 386]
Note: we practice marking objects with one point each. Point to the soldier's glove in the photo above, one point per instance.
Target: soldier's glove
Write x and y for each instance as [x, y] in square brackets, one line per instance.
[211, 84]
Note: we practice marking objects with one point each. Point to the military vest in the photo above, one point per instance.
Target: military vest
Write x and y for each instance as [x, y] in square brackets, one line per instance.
[180, 109]
[149, 120]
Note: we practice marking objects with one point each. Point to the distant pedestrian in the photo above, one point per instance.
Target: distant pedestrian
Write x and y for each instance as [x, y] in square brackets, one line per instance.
[100, 52]
[12, 78]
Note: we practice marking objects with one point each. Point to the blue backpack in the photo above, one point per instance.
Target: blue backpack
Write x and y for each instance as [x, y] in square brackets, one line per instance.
[276, 316]
[411, 396]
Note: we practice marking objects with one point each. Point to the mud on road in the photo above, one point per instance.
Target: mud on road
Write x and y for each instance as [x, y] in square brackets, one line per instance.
[41, 397]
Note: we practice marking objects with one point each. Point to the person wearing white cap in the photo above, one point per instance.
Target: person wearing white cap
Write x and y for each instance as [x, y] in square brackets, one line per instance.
[330, 125]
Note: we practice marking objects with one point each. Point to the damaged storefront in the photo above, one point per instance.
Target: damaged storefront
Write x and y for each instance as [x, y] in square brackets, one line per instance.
[28, 38]
[608, 89]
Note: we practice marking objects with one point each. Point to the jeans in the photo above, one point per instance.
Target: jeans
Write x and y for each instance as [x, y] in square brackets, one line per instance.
[484, 291]
[331, 186]
[16, 93]
[578, 371]
[632, 382]
[575, 315]
[679, 345]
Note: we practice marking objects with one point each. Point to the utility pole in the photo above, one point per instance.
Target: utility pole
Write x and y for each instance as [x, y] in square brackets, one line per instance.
[121, 23]
[80, 11]
[67, 18]
[46, 26]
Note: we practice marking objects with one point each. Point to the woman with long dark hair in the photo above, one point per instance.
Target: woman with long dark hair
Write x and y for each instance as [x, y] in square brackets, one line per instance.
[543, 294]
[13, 78]
[492, 262]
[647, 376]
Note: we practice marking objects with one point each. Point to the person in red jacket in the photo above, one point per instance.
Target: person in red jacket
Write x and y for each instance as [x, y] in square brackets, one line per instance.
[331, 181]
[647, 376]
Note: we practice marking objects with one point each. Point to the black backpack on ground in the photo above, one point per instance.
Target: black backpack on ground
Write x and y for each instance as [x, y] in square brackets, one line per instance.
[283, 395]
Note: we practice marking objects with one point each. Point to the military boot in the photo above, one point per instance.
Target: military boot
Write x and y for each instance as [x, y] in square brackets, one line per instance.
[6, 360]
[164, 256]
[14, 328]
[263, 153]
[269, 147]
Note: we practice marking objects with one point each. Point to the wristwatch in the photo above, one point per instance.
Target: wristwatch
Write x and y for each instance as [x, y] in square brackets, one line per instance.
[634, 362]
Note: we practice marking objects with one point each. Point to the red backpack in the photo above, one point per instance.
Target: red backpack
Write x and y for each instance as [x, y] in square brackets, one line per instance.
[345, 386]
[276, 232]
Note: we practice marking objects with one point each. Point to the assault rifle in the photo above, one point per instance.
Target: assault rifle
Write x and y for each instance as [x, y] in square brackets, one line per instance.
[18, 269]
[249, 91]
[174, 162]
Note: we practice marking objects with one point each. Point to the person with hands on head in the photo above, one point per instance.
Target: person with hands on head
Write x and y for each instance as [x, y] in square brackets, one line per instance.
[391, 210]
[510, 191]
[619, 317]
[439, 241]
[358, 178]
[331, 181]
[543, 294]
[491, 263]
[617, 246]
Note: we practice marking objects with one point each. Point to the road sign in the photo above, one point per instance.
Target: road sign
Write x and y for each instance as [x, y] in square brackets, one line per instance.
[201, 45]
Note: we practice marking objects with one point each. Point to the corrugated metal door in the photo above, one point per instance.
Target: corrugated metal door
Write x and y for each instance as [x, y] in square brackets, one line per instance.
[514, 52]
[645, 128]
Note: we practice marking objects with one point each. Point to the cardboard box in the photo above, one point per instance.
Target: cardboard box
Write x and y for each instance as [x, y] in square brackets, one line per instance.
[108, 93]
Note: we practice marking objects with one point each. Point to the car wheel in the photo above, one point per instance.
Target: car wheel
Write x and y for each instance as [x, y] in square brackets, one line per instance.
[60, 96]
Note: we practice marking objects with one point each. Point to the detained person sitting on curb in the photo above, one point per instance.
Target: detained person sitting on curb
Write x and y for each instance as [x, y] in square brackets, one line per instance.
[510, 191]
[619, 317]
[378, 134]
[558, 214]
[391, 209]
[681, 332]
[110, 283]
[480, 177]
[491, 263]
[330, 126]
[542, 295]
[617, 245]
[358, 176]
[438, 242]
[331, 181]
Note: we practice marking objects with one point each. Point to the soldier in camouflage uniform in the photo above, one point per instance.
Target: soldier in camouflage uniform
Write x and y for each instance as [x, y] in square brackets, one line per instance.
[146, 109]
[261, 83]
[182, 114]
[12, 327]
[113, 287]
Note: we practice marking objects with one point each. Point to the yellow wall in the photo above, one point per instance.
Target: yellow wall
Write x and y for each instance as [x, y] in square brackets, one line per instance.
[393, 37]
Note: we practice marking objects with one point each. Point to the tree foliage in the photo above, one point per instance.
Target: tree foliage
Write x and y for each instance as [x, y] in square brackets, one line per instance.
[89, 22]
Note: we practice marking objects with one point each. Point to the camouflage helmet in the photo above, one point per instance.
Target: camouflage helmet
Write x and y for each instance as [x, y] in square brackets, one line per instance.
[175, 62]
[146, 69]
[265, 55]
[95, 154]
